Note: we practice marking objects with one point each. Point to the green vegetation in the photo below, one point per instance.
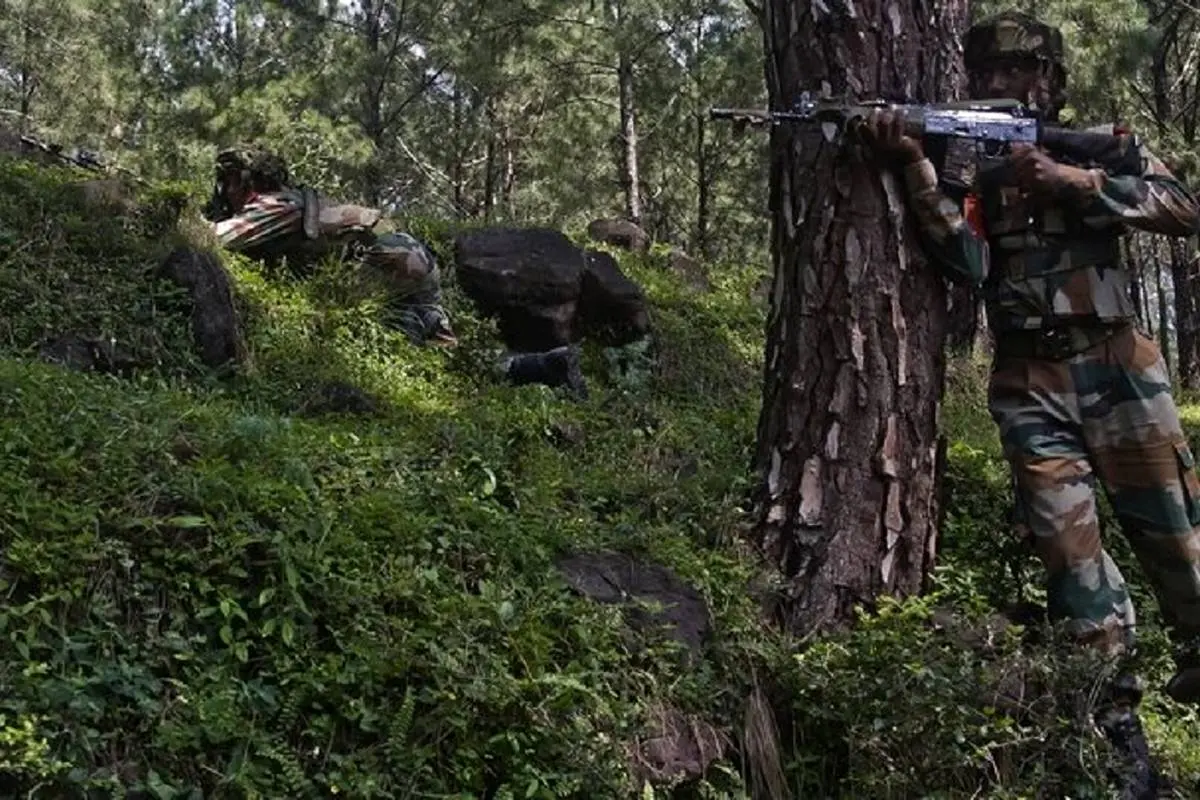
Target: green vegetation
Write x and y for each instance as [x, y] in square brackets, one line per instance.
[208, 593]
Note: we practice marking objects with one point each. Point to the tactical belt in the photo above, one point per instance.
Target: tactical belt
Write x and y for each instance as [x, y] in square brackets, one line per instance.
[1056, 343]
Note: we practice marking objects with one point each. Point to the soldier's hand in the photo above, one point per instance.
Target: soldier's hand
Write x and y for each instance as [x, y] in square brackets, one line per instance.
[1039, 174]
[1034, 170]
[884, 131]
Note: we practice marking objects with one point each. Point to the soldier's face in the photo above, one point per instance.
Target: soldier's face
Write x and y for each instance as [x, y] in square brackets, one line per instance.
[1027, 80]
[235, 192]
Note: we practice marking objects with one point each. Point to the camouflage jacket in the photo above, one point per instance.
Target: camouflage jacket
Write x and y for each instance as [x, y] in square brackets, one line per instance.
[1042, 265]
[272, 216]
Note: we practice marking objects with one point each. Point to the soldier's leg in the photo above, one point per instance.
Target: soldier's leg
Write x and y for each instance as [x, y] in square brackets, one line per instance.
[554, 368]
[412, 280]
[1034, 405]
[1041, 426]
[1132, 427]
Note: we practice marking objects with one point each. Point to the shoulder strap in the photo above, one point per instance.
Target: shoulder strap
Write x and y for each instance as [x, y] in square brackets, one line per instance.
[312, 212]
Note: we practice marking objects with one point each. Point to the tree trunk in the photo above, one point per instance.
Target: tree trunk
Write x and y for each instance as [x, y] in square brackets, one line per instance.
[629, 141]
[962, 318]
[1164, 322]
[1136, 287]
[1187, 312]
[703, 187]
[703, 179]
[508, 186]
[847, 439]
[457, 155]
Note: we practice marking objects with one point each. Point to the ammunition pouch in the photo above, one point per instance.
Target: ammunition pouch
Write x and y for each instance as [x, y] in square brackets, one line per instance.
[1056, 343]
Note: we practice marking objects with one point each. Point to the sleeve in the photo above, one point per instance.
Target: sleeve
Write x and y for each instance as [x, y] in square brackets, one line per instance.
[1155, 201]
[266, 218]
[952, 230]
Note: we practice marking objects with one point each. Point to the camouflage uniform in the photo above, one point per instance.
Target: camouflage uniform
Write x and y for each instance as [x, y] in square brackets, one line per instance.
[298, 223]
[1078, 393]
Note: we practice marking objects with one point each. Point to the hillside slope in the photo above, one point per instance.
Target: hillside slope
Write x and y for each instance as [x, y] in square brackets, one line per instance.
[212, 589]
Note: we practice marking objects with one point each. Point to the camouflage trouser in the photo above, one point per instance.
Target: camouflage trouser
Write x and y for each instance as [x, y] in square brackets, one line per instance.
[409, 273]
[1106, 413]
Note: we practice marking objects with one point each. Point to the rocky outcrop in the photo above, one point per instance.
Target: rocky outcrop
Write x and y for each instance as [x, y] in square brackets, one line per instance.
[546, 292]
[89, 354]
[619, 578]
[620, 233]
[215, 324]
[612, 308]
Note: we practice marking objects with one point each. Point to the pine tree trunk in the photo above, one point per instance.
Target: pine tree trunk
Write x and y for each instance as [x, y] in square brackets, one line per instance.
[847, 441]
[630, 180]
[703, 187]
[1136, 288]
[1187, 312]
[1164, 323]
[962, 318]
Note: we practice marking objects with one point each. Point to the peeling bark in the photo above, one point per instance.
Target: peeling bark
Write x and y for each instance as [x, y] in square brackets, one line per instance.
[847, 439]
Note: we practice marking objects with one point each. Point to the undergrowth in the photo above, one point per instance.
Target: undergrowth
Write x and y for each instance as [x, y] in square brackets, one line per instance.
[211, 592]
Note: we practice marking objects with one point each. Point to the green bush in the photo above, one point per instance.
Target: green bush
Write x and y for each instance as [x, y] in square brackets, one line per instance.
[211, 592]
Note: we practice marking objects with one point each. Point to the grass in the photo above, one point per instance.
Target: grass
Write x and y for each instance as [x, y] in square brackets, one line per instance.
[209, 593]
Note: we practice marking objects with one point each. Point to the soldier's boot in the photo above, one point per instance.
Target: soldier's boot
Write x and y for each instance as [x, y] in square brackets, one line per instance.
[557, 367]
[1184, 686]
[1118, 719]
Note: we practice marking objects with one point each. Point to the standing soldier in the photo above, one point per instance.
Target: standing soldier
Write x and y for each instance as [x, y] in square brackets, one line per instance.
[1078, 393]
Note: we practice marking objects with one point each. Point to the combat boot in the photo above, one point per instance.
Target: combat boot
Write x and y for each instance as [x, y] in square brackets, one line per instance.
[557, 367]
[1184, 686]
[1118, 719]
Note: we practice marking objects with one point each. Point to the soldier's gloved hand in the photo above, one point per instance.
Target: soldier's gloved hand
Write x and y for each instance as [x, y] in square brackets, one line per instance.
[884, 132]
[1040, 174]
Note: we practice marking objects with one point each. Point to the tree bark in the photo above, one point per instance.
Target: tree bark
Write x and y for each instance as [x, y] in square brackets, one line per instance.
[630, 179]
[1187, 313]
[628, 159]
[1136, 289]
[1164, 320]
[847, 437]
[962, 319]
[703, 176]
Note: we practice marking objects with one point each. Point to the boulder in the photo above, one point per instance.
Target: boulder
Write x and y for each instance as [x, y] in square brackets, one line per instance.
[528, 278]
[612, 307]
[677, 748]
[88, 354]
[215, 326]
[546, 292]
[338, 397]
[620, 233]
[619, 578]
[107, 194]
[690, 270]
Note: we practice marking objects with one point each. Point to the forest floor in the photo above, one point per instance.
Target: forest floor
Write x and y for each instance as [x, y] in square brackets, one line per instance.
[213, 590]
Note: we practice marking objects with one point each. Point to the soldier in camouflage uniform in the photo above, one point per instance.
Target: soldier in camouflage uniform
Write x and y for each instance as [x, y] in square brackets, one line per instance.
[256, 211]
[1078, 393]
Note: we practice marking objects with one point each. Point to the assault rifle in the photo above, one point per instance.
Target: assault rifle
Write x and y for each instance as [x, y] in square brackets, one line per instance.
[76, 156]
[993, 125]
[79, 157]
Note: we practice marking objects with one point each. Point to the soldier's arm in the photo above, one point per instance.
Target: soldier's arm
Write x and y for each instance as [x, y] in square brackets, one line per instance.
[958, 248]
[266, 218]
[1155, 201]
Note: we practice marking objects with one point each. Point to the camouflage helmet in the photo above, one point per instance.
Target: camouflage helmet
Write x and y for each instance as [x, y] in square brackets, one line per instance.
[257, 161]
[1012, 34]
